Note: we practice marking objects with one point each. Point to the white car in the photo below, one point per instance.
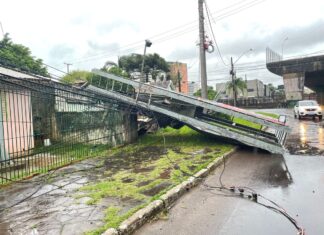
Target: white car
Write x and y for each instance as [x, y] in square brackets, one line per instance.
[307, 108]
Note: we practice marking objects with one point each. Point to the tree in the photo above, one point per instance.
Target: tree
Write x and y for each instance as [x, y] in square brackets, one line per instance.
[271, 89]
[154, 61]
[133, 62]
[19, 57]
[111, 67]
[238, 85]
[211, 93]
[77, 75]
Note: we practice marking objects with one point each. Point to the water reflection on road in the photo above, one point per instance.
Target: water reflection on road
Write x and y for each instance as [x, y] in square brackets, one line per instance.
[307, 135]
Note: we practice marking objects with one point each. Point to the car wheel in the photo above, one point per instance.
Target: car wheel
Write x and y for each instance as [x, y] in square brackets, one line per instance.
[295, 116]
[320, 117]
[299, 117]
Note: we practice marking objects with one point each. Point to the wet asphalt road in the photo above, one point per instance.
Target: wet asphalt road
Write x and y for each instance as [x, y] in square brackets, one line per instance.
[295, 181]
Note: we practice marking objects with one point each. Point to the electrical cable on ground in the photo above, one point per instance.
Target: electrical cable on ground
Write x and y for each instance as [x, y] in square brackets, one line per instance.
[235, 191]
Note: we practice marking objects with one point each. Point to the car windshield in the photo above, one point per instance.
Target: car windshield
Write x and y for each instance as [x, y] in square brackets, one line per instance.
[308, 103]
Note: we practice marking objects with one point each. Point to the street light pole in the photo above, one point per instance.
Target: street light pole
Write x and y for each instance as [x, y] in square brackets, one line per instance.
[282, 45]
[148, 43]
[233, 75]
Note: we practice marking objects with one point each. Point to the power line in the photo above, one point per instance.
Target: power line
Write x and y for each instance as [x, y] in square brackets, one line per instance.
[214, 38]
[165, 36]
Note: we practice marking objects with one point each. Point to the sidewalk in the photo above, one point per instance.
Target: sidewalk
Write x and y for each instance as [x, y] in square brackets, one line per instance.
[101, 192]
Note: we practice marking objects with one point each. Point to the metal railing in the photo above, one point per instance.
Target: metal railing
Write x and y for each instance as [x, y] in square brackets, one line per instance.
[45, 125]
[272, 56]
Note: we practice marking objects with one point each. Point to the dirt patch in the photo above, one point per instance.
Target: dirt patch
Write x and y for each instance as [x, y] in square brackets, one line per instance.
[127, 180]
[217, 150]
[206, 157]
[177, 150]
[156, 189]
[143, 169]
[207, 150]
[166, 174]
[130, 159]
[192, 167]
[143, 183]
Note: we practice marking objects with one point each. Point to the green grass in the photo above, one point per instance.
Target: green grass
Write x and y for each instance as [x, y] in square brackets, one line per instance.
[252, 124]
[44, 159]
[113, 218]
[247, 123]
[189, 150]
[272, 115]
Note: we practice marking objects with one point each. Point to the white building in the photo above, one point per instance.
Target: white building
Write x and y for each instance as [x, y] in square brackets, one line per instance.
[254, 88]
[193, 87]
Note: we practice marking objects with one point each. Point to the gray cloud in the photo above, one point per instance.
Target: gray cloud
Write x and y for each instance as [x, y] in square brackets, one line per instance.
[299, 38]
[258, 39]
[97, 50]
[80, 19]
[60, 51]
[97, 47]
[116, 24]
[182, 54]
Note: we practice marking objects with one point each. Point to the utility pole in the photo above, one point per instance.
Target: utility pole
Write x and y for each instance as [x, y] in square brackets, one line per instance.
[233, 82]
[202, 52]
[67, 67]
[179, 80]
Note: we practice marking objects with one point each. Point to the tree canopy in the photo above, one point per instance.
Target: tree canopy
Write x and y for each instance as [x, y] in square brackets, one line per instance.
[83, 75]
[77, 75]
[111, 67]
[239, 85]
[211, 93]
[19, 57]
[133, 62]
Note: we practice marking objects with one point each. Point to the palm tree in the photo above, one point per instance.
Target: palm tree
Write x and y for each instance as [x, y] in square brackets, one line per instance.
[237, 85]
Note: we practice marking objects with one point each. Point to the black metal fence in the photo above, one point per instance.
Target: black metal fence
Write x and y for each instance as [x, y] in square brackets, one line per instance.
[45, 124]
[272, 56]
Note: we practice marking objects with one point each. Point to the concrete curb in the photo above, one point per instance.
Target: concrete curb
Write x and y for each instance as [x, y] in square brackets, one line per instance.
[166, 201]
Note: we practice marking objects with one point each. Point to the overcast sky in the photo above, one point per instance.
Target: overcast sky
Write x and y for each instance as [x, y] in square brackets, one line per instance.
[88, 33]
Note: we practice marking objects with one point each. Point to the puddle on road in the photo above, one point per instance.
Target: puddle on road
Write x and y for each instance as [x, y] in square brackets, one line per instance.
[307, 135]
[306, 138]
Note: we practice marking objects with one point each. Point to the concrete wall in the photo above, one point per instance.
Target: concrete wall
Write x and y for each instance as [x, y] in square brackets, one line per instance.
[73, 118]
[96, 127]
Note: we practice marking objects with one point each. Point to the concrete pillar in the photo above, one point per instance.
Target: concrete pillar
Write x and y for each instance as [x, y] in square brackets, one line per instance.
[294, 85]
[320, 95]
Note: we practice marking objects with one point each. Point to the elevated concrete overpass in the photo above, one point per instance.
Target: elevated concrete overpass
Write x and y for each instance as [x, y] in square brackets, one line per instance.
[297, 73]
